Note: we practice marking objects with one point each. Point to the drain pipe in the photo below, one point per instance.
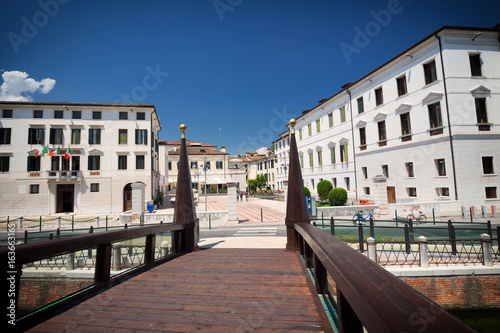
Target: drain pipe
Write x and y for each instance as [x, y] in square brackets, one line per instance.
[448, 116]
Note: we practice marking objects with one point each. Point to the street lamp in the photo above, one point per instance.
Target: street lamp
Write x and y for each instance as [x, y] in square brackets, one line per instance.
[205, 169]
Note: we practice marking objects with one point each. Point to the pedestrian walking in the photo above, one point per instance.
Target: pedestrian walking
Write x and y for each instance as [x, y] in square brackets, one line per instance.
[246, 196]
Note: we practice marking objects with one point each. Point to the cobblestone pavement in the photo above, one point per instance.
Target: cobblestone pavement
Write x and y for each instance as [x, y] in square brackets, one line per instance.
[248, 211]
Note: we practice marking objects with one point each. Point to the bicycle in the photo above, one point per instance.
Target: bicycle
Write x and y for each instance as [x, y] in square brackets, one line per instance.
[420, 218]
[358, 218]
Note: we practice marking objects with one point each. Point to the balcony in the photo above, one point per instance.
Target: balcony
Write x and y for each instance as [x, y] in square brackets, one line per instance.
[63, 174]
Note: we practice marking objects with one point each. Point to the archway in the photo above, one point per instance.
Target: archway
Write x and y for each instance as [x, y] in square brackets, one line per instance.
[127, 197]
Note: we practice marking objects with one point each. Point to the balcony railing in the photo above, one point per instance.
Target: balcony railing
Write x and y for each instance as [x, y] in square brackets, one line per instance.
[63, 174]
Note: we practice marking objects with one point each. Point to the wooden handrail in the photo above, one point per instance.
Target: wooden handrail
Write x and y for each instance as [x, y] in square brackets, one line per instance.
[26, 253]
[368, 295]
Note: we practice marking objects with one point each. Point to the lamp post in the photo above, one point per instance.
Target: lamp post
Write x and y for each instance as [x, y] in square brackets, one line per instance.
[205, 169]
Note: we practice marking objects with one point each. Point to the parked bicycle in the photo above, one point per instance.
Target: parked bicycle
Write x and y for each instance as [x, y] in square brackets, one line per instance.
[358, 218]
[420, 217]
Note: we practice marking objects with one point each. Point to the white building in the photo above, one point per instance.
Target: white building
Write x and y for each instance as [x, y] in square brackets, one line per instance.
[282, 153]
[422, 127]
[110, 146]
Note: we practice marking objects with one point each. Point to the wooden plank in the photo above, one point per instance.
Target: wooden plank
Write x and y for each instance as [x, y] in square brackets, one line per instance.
[209, 290]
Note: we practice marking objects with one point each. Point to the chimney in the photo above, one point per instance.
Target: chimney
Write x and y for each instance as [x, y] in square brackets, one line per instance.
[223, 149]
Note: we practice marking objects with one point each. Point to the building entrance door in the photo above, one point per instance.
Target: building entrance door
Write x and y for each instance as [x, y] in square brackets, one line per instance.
[127, 197]
[391, 194]
[65, 198]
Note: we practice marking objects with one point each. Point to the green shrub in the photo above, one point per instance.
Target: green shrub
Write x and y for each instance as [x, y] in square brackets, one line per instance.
[324, 188]
[307, 192]
[337, 196]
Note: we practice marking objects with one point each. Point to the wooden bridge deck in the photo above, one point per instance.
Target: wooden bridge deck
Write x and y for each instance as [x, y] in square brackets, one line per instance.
[212, 290]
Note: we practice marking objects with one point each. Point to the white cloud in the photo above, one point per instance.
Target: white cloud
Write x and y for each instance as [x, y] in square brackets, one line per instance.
[18, 86]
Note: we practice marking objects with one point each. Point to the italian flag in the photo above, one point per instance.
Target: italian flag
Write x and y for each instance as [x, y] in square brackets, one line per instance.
[68, 152]
[45, 150]
[57, 151]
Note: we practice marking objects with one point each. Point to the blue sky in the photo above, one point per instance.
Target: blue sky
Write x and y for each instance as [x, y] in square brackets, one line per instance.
[234, 71]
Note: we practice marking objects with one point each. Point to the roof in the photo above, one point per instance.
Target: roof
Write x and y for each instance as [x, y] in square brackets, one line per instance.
[196, 151]
[189, 143]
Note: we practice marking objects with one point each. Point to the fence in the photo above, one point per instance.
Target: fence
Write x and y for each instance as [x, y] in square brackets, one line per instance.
[397, 245]
[59, 222]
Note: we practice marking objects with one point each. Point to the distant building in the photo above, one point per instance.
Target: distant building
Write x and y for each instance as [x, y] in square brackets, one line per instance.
[98, 150]
[422, 127]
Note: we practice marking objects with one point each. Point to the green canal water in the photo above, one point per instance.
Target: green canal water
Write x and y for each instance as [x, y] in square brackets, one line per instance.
[483, 321]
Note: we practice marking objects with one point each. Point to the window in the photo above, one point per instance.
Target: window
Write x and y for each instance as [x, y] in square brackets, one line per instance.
[218, 165]
[334, 182]
[96, 114]
[430, 72]
[379, 96]
[34, 189]
[332, 155]
[77, 115]
[56, 136]
[4, 163]
[382, 135]
[318, 126]
[361, 107]
[342, 114]
[122, 162]
[36, 136]
[76, 134]
[347, 183]
[94, 136]
[491, 192]
[409, 170]
[385, 170]
[440, 167]
[401, 82]
[122, 136]
[367, 190]
[169, 165]
[38, 114]
[141, 115]
[141, 137]
[58, 114]
[435, 120]
[311, 162]
[207, 165]
[94, 162]
[312, 182]
[75, 163]
[344, 155]
[482, 116]
[405, 126]
[443, 191]
[365, 172]
[194, 165]
[33, 163]
[64, 164]
[362, 138]
[7, 114]
[330, 119]
[412, 191]
[94, 187]
[300, 134]
[139, 162]
[123, 115]
[488, 165]
[475, 64]
[5, 136]
[309, 129]
[302, 161]
[320, 158]
[54, 163]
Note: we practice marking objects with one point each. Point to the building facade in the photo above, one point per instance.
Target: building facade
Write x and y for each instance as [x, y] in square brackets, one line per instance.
[424, 124]
[98, 151]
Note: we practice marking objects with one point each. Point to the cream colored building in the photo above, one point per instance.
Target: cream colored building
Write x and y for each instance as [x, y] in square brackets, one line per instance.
[110, 146]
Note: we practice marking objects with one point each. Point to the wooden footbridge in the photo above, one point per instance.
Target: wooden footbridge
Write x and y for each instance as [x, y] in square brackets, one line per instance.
[316, 284]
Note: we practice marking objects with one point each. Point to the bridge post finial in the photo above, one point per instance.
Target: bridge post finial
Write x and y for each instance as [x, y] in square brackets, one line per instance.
[184, 211]
[296, 208]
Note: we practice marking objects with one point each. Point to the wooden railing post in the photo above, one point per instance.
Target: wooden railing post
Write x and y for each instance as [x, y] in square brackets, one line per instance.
[348, 320]
[149, 251]
[320, 275]
[103, 264]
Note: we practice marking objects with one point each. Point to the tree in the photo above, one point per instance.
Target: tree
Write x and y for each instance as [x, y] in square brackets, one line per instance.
[324, 187]
[252, 184]
[261, 181]
[307, 192]
[337, 196]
